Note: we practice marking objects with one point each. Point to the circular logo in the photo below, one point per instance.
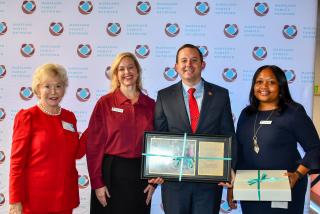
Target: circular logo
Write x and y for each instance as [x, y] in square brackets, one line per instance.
[231, 30]
[172, 30]
[27, 50]
[28, 7]
[56, 28]
[142, 51]
[83, 94]
[83, 181]
[261, 9]
[2, 114]
[170, 74]
[26, 93]
[85, 7]
[229, 74]
[290, 75]
[204, 50]
[2, 199]
[3, 28]
[107, 72]
[2, 157]
[143, 8]
[84, 51]
[202, 8]
[3, 71]
[113, 29]
[259, 53]
[289, 31]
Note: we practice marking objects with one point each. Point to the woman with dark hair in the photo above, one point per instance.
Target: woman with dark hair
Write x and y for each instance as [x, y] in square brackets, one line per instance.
[268, 131]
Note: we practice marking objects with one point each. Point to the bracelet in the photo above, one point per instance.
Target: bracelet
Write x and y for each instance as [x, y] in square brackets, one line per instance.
[300, 175]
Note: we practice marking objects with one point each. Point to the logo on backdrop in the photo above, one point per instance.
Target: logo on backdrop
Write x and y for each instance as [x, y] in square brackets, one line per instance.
[170, 74]
[290, 31]
[2, 199]
[261, 9]
[83, 94]
[84, 51]
[202, 8]
[107, 72]
[113, 29]
[259, 53]
[28, 7]
[231, 30]
[3, 71]
[2, 114]
[56, 28]
[143, 8]
[229, 74]
[26, 93]
[172, 30]
[142, 51]
[83, 181]
[204, 50]
[85, 7]
[27, 50]
[3, 28]
[290, 75]
[2, 157]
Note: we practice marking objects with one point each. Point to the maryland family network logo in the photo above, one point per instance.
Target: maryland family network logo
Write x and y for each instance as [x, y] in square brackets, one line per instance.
[56, 28]
[3, 71]
[2, 157]
[28, 7]
[83, 94]
[143, 8]
[290, 75]
[113, 29]
[85, 7]
[84, 50]
[259, 53]
[142, 51]
[26, 93]
[2, 114]
[27, 50]
[290, 31]
[231, 30]
[3, 28]
[261, 9]
[83, 181]
[107, 72]
[172, 30]
[2, 199]
[229, 74]
[202, 8]
[170, 74]
[204, 51]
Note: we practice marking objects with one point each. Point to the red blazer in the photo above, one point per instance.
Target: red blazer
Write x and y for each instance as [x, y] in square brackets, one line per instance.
[43, 174]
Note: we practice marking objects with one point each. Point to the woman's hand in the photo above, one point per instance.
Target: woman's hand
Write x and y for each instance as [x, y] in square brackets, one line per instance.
[232, 204]
[293, 178]
[227, 184]
[101, 194]
[157, 180]
[149, 190]
[15, 208]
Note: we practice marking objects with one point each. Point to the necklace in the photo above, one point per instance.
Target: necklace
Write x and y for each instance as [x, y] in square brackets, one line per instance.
[43, 109]
[255, 132]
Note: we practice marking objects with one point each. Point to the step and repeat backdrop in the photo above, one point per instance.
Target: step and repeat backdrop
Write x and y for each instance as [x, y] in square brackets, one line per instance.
[235, 37]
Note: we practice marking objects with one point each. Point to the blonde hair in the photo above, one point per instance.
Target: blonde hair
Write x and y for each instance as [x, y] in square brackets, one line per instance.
[48, 70]
[114, 70]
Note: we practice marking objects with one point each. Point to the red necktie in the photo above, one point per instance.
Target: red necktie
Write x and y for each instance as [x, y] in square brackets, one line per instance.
[194, 110]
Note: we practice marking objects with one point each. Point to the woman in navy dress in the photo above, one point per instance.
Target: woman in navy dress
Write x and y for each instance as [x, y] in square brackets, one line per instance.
[268, 132]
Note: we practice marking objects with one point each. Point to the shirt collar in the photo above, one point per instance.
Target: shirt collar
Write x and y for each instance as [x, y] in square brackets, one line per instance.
[198, 87]
[121, 99]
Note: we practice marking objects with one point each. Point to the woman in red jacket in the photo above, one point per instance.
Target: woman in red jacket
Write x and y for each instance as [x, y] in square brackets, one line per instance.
[45, 146]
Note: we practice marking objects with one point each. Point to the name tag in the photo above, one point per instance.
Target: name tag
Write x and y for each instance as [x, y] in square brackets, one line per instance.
[279, 204]
[68, 126]
[265, 122]
[117, 109]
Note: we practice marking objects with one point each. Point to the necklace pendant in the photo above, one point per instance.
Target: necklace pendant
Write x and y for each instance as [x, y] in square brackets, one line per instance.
[255, 145]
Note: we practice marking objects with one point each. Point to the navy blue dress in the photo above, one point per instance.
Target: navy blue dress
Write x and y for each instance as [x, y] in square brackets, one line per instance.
[278, 151]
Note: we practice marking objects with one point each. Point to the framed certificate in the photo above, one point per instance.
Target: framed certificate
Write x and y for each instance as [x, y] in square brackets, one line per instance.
[186, 157]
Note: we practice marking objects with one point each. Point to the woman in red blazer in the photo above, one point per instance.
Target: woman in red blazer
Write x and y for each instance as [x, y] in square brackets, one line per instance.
[45, 146]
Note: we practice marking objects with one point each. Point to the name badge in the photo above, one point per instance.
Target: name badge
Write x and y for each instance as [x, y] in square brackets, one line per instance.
[117, 109]
[68, 126]
[279, 204]
[265, 122]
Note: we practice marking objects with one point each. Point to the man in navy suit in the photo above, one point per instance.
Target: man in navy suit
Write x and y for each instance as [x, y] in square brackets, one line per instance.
[172, 114]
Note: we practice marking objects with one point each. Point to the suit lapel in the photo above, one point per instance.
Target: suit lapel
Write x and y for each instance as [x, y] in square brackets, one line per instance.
[182, 113]
[208, 96]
